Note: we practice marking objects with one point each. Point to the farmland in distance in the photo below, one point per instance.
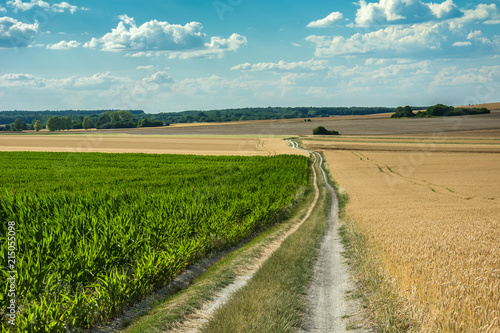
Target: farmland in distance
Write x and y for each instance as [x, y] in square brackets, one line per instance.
[96, 232]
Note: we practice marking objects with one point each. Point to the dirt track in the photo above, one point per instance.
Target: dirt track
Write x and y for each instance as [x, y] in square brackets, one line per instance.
[327, 292]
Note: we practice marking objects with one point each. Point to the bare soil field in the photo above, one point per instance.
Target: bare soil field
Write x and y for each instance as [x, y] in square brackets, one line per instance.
[432, 219]
[380, 124]
[147, 144]
[487, 141]
[359, 125]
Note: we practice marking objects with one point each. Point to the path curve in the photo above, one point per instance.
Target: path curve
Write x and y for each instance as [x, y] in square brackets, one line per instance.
[329, 310]
[194, 322]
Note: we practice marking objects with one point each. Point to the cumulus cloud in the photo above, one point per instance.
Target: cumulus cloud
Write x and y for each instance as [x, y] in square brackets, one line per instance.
[161, 77]
[387, 12]
[331, 20]
[158, 36]
[455, 76]
[57, 7]
[96, 81]
[462, 44]
[64, 45]
[14, 33]
[20, 80]
[397, 39]
[282, 66]
[148, 67]
[488, 14]
[3, 9]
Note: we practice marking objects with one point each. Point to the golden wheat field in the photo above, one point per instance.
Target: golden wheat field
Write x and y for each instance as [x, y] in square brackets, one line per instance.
[433, 217]
[196, 145]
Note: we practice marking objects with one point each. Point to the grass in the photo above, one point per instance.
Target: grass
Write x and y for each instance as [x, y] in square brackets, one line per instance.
[274, 299]
[381, 303]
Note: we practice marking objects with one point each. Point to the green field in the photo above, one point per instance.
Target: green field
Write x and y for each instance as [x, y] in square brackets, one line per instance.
[94, 232]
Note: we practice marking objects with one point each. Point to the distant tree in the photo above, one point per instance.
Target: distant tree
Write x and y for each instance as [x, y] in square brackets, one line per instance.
[151, 123]
[76, 122]
[408, 112]
[53, 124]
[403, 112]
[7, 127]
[19, 125]
[65, 123]
[103, 120]
[439, 110]
[323, 131]
[38, 125]
[86, 123]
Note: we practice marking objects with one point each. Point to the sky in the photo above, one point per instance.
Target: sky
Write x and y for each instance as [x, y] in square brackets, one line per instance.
[175, 55]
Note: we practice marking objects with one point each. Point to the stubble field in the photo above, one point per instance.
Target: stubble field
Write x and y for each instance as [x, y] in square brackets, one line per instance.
[108, 142]
[430, 208]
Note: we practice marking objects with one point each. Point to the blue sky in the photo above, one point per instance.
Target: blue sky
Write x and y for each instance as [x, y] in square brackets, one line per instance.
[173, 55]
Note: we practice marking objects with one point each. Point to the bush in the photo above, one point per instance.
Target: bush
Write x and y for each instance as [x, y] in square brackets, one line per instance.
[323, 131]
[151, 123]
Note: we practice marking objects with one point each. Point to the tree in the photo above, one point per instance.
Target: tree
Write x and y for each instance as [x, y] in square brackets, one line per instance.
[19, 125]
[65, 123]
[439, 110]
[323, 131]
[103, 120]
[403, 112]
[408, 112]
[38, 125]
[76, 122]
[86, 123]
[53, 124]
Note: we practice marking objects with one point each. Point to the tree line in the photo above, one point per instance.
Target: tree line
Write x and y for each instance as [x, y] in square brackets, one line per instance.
[115, 119]
[106, 120]
[438, 110]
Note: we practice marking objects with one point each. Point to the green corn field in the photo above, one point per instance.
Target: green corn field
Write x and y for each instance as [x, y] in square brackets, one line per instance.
[95, 232]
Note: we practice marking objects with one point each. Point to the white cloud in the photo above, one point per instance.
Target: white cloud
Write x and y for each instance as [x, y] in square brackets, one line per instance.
[462, 44]
[474, 34]
[61, 7]
[445, 10]
[20, 80]
[14, 33]
[57, 7]
[64, 45]
[282, 66]
[329, 21]
[161, 77]
[455, 76]
[96, 81]
[179, 41]
[487, 14]
[148, 67]
[396, 39]
[3, 9]
[387, 12]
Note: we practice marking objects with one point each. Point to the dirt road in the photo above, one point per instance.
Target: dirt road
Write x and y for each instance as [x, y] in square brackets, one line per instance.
[329, 310]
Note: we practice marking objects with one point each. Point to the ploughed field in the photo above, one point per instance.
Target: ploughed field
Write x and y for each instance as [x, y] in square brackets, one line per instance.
[430, 207]
[95, 232]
